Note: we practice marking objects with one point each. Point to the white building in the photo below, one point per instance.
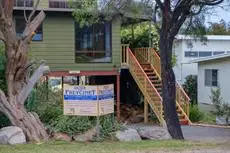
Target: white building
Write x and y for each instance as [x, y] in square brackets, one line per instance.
[187, 48]
[213, 72]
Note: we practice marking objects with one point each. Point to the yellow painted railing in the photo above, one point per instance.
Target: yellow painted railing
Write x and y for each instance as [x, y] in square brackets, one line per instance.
[149, 55]
[147, 88]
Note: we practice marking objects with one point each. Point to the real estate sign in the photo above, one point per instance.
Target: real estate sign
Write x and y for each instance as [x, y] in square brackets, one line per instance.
[88, 100]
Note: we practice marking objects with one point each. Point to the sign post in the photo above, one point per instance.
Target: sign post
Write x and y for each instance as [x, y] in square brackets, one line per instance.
[88, 101]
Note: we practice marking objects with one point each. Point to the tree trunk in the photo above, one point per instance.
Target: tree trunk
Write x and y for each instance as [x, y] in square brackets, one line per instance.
[168, 86]
[27, 121]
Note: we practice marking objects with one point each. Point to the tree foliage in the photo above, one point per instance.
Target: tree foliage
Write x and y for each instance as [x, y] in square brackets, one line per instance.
[140, 36]
[220, 28]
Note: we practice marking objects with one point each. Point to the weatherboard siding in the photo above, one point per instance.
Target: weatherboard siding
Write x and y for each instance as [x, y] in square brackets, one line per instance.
[43, 4]
[58, 46]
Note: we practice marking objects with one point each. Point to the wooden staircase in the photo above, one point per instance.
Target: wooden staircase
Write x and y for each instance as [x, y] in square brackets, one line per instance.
[145, 69]
[156, 81]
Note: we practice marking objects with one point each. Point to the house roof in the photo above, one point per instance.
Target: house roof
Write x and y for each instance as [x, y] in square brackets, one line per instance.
[210, 58]
[209, 37]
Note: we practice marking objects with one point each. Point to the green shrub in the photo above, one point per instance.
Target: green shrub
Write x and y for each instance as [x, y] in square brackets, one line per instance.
[71, 124]
[195, 114]
[190, 87]
[108, 125]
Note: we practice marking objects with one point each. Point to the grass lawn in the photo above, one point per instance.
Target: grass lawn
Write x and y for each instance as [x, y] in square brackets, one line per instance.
[105, 147]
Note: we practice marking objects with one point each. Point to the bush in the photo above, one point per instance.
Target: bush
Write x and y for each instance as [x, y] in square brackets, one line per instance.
[190, 87]
[195, 115]
[221, 108]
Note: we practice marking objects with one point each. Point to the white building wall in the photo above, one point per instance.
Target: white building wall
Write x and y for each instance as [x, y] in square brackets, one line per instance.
[204, 92]
[184, 66]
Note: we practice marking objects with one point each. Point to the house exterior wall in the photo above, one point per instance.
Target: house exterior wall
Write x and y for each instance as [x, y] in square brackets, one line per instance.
[58, 46]
[204, 92]
[184, 66]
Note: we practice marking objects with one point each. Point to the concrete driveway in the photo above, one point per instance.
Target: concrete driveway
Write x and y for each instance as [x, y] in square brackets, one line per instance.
[200, 133]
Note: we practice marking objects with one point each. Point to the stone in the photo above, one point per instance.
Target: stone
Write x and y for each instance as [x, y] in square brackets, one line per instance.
[62, 137]
[127, 135]
[87, 136]
[12, 135]
[154, 133]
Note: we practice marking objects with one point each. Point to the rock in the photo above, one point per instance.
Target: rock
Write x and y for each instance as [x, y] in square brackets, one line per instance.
[12, 135]
[87, 136]
[62, 137]
[154, 133]
[128, 135]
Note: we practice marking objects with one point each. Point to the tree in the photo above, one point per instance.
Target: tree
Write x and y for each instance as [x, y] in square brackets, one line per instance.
[221, 28]
[20, 73]
[174, 13]
[141, 36]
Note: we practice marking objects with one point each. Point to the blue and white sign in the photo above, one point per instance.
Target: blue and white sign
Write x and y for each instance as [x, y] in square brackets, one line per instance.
[88, 100]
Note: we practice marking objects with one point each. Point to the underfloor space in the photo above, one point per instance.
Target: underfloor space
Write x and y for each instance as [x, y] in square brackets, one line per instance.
[132, 101]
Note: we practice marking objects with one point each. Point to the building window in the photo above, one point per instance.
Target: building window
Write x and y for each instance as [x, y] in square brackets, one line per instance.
[24, 3]
[191, 54]
[211, 77]
[20, 26]
[218, 52]
[93, 43]
[205, 53]
[58, 4]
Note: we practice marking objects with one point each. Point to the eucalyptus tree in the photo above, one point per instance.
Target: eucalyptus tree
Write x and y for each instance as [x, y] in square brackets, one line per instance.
[21, 74]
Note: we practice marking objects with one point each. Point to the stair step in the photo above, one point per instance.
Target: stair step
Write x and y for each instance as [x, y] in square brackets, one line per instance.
[150, 73]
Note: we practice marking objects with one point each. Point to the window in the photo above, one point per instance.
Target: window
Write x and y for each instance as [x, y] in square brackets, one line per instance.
[218, 52]
[191, 54]
[20, 26]
[211, 77]
[93, 43]
[58, 4]
[204, 53]
[24, 3]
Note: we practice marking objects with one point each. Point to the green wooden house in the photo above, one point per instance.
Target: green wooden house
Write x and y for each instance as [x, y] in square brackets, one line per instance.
[96, 53]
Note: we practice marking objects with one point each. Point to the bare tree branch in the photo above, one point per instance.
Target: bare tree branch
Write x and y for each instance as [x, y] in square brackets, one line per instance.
[39, 72]
[34, 10]
[32, 26]
[211, 2]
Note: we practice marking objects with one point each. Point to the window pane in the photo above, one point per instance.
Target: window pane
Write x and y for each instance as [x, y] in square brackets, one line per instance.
[26, 3]
[219, 52]
[208, 77]
[93, 43]
[214, 77]
[204, 54]
[191, 54]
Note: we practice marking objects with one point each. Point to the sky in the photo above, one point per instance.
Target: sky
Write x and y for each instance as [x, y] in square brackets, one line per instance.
[220, 14]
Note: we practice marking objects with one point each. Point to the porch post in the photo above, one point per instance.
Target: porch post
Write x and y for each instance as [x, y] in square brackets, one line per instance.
[146, 110]
[62, 88]
[150, 37]
[118, 98]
